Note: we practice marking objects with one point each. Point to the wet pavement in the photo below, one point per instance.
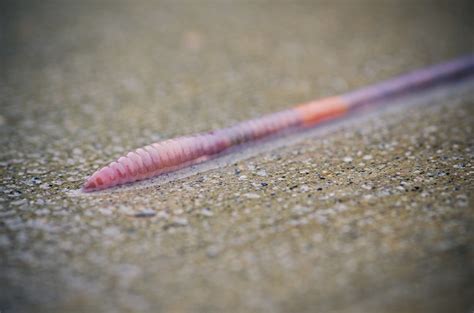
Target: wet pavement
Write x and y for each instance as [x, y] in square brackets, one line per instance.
[375, 215]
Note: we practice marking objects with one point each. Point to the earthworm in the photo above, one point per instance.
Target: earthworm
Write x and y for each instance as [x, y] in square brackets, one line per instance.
[173, 154]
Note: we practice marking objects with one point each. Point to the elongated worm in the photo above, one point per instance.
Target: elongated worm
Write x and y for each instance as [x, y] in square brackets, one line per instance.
[173, 154]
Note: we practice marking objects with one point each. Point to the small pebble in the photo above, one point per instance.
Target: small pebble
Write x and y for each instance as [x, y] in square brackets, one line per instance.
[105, 211]
[180, 221]
[251, 196]
[145, 213]
[347, 159]
[206, 212]
[262, 173]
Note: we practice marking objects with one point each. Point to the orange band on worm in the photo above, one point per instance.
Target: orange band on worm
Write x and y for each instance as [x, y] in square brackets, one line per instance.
[317, 111]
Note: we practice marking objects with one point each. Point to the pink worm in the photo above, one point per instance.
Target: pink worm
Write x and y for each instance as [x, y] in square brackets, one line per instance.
[173, 154]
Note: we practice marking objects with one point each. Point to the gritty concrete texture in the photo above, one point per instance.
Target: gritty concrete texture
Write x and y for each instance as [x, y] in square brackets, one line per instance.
[376, 216]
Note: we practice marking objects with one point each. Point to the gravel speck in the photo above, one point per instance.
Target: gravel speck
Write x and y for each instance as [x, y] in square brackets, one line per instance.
[251, 196]
[347, 159]
[262, 173]
[106, 211]
[206, 212]
[145, 213]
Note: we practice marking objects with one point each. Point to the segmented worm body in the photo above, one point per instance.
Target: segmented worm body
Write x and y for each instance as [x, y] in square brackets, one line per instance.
[173, 154]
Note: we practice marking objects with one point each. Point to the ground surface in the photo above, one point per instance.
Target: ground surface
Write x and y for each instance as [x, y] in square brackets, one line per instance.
[374, 217]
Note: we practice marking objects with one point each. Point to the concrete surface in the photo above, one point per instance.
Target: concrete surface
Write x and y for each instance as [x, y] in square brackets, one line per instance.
[377, 216]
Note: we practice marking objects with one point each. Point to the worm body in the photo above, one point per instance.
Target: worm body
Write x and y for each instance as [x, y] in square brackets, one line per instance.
[173, 154]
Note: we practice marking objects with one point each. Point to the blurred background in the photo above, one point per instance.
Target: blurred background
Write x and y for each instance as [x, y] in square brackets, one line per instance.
[196, 65]
[82, 82]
